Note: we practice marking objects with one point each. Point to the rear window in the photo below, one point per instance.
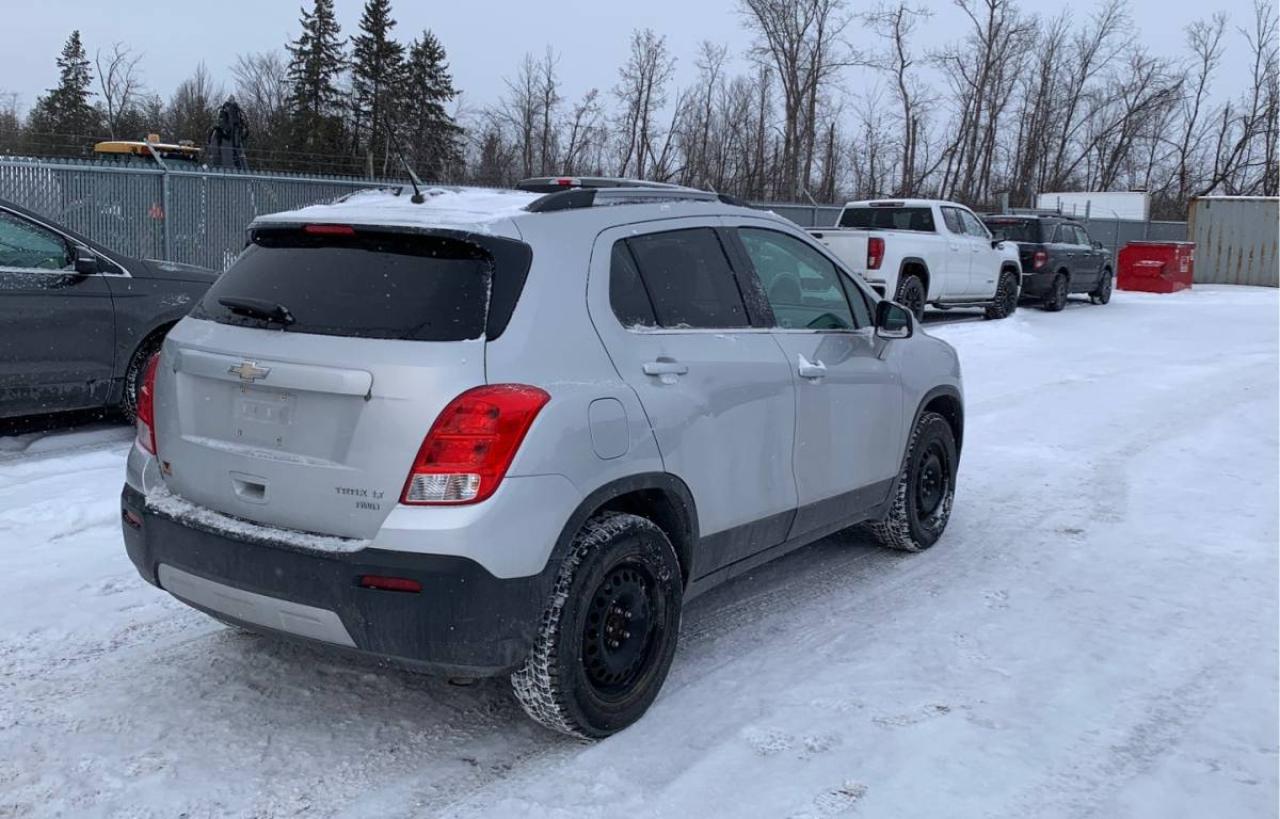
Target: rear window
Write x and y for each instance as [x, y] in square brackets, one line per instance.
[1015, 230]
[920, 219]
[371, 284]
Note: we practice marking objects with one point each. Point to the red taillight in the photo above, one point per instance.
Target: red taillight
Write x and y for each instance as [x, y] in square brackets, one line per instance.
[329, 230]
[146, 412]
[466, 454]
[875, 252]
[1039, 260]
[400, 584]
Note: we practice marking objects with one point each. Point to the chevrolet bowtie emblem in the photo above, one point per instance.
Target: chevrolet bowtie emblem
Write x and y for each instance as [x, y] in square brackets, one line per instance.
[249, 371]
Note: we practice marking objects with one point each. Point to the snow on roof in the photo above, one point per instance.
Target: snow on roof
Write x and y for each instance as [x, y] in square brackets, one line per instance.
[472, 208]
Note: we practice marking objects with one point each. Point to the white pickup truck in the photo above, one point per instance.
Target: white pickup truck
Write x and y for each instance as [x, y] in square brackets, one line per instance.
[926, 252]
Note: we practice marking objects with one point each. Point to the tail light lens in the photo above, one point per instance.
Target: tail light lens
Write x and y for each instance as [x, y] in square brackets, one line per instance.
[146, 412]
[875, 252]
[1039, 260]
[471, 444]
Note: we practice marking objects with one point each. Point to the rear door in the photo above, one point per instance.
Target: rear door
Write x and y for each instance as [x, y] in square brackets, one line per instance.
[312, 424]
[59, 344]
[848, 400]
[674, 316]
[960, 253]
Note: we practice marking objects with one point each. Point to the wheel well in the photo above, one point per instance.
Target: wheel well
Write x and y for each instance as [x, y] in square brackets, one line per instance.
[949, 407]
[158, 332]
[919, 270]
[667, 511]
[1009, 268]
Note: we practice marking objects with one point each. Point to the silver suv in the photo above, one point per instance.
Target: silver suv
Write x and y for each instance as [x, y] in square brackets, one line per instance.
[500, 432]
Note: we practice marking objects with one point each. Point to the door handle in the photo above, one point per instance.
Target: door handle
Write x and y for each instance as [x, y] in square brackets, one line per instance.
[810, 369]
[666, 369]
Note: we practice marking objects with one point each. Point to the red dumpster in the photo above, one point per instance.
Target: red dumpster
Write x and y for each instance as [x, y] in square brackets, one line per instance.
[1156, 267]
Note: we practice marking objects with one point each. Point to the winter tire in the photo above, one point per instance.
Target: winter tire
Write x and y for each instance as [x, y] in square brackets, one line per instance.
[1102, 293]
[133, 375]
[1058, 295]
[609, 632]
[911, 295]
[1006, 301]
[925, 490]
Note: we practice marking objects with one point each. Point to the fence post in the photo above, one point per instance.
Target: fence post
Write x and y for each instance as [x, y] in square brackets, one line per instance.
[165, 203]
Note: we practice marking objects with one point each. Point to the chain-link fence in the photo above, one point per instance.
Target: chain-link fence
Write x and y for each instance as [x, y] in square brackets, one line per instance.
[199, 217]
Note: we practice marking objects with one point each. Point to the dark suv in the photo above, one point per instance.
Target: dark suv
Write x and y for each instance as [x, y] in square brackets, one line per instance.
[1058, 258]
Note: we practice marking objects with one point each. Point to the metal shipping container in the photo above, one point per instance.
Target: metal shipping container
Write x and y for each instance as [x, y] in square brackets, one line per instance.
[1237, 239]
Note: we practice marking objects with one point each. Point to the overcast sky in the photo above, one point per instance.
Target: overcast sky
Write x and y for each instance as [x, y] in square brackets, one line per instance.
[484, 38]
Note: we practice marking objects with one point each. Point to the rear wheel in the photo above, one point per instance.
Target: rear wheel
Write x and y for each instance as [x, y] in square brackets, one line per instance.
[609, 632]
[926, 489]
[1057, 295]
[147, 350]
[911, 294]
[1006, 301]
[1102, 293]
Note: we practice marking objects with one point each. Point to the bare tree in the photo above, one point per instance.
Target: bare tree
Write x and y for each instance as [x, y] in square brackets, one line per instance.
[896, 24]
[120, 84]
[642, 93]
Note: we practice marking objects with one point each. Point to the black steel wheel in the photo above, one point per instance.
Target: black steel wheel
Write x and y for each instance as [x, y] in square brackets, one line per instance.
[609, 632]
[925, 490]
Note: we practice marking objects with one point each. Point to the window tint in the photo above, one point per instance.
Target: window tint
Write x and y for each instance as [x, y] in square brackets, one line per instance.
[920, 219]
[372, 285]
[25, 244]
[627, 295]
[1015, 230]
[973, 226]
[955, 223]
[801, 285]
[688, 279]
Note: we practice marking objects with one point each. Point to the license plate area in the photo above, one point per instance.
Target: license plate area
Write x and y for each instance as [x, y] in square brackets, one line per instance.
[264, 415]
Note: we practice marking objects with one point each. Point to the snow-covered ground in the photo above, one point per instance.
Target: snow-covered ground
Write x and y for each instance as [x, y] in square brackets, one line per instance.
[1095, 635]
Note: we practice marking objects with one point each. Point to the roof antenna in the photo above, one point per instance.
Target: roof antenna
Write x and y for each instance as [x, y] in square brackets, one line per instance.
[417, 197]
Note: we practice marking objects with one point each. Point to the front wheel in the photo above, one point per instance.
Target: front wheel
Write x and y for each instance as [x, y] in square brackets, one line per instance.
[1006, 300]
[911, 295]
[609, 632]
[1102, 293]
[925, 491]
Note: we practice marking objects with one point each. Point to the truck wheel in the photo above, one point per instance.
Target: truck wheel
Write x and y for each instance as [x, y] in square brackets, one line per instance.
[1006, 301]
[609, 631]
[1058, 295]
[149, 348]
[911, 295]
[926, 489]
[1102, 293]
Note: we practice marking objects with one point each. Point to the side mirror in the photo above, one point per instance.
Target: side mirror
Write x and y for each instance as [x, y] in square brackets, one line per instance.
[86, 261]
[893, 320]
[1097, 245]
[996, 241]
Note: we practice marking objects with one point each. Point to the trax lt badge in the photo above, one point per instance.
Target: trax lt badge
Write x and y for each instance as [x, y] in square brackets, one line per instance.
[249, 371]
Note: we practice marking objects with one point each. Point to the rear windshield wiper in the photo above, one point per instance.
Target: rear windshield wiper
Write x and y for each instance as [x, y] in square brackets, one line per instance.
[258, 308]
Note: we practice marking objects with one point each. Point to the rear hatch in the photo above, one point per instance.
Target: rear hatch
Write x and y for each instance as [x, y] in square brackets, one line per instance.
[1023, 232]
[299, 390]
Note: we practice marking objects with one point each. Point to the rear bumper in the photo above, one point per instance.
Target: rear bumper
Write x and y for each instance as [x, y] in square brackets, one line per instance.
[465, 621]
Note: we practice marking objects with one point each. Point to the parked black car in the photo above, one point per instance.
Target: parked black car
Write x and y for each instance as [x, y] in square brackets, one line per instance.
[1058, 258]
[79, 322]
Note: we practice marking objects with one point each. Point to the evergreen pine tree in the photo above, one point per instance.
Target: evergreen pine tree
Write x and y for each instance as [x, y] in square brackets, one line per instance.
[434, 138]
[63, 118]
[377, 80]
[316, 63]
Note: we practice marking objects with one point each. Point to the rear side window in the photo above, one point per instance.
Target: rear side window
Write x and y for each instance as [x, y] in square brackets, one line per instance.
[920, 219]
[687, 277]
[370, 284]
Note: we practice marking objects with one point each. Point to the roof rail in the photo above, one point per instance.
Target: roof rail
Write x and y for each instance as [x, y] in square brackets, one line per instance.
[553, 184]
[575, 198]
